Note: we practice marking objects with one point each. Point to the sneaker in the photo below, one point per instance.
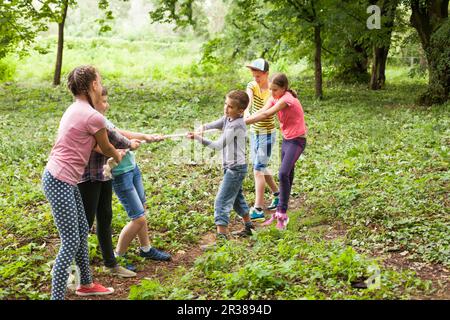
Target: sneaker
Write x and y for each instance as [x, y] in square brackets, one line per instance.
[125, 261]
[256, 215]
[244, 233]
[120, 272]
[131, 267]
[96, 290]
[155, 254]
[283, 221]
[271, 220]
[274, 203]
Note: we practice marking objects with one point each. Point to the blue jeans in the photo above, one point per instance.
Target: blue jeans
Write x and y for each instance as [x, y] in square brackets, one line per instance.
[261, 149]
[129, 189]
[230, 195]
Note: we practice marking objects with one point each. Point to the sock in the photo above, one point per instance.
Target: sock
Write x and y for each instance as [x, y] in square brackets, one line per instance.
[116, 254]
[146, 248]
[276, 194]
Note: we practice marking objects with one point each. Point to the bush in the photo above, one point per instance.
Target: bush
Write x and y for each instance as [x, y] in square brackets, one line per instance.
[7, 69]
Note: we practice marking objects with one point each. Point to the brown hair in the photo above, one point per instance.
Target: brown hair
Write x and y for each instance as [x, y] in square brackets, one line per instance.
[240, 97]
[281, 80]
[80, 79]
[104, 91]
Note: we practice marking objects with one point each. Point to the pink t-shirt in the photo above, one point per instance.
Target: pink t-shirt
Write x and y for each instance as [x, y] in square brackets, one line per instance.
[75, 141]
[292, 120]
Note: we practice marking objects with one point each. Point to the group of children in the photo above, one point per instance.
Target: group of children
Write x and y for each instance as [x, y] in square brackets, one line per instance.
[74, 183]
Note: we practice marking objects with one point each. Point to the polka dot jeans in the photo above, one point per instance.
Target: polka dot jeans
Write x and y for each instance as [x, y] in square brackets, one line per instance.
[70, 220]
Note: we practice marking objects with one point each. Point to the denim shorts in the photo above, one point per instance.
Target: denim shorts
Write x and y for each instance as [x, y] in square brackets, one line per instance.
[129, 189]
[230, 195]
[261, 149]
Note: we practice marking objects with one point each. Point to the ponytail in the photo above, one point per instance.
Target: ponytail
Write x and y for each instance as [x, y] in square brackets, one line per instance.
[281, 80]
[294, 94]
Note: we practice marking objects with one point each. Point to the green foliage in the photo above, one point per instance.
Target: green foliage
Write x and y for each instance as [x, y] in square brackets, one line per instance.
[7, 69]
[136, 62]
[20, 23]
[374, 161]
[261, 269]
[439, 57]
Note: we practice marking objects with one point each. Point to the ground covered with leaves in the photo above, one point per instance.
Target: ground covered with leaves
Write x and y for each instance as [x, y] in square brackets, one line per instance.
[370, 193]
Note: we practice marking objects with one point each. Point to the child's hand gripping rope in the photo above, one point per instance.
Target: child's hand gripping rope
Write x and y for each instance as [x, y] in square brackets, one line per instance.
[111, 163]
[107, 168]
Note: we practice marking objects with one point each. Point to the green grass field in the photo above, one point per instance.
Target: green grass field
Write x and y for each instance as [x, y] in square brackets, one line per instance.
[375, 163]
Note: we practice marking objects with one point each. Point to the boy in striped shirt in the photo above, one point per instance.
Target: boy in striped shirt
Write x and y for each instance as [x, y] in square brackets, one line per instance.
[262, 138]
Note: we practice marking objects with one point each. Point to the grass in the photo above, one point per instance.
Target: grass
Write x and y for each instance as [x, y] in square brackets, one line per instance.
[135, 62]
[374, 161]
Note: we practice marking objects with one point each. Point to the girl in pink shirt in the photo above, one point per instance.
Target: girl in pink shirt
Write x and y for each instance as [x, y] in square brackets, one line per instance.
[80, 129]
[285, 104]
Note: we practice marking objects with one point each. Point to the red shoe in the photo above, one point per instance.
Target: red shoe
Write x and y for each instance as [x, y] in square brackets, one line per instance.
[96, 290]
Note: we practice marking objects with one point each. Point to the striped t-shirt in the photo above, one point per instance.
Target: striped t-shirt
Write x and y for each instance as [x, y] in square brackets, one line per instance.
[259, 100]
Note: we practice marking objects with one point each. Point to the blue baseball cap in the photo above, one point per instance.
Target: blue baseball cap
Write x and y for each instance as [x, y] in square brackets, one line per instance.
[259, 64]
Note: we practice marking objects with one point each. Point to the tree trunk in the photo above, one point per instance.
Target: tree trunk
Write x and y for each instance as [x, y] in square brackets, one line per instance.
[318, 62]
[59, 54]
[378, 77]
[380, 53]
[430, 19]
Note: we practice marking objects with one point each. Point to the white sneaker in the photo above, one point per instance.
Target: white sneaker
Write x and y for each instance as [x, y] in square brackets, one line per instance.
[120, 272]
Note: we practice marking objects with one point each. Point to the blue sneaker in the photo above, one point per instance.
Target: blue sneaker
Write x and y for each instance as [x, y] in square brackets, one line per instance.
[125, 262]
[274, 203]
[131, 267]
[257, 215]
[155, 254]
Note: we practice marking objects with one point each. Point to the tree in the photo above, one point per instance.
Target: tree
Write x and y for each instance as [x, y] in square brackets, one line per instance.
[382, 43]
[430, 19]
[273, 24]
[313, 13]
[347, 40]
[61, 20]
[56, 11]
[20, 22]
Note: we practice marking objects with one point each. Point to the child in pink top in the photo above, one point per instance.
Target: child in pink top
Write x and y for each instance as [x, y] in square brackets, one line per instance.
[81, 128]
[285, 103]
[75, 141]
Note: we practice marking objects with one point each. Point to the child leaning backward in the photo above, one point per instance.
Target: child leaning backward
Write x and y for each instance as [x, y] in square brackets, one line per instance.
[96, 192]
[232, 143]
[128, 186]
[80, 129]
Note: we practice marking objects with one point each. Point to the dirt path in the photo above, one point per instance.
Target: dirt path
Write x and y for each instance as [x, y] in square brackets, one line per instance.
[398, 261]
[152, 269]
[437, 274]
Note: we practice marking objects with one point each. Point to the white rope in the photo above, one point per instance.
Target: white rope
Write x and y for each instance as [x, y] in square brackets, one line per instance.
[170, 136]
[107, 168]
[111, 163]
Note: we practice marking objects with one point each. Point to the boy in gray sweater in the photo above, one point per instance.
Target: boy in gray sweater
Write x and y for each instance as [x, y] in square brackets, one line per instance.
[232, 143]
